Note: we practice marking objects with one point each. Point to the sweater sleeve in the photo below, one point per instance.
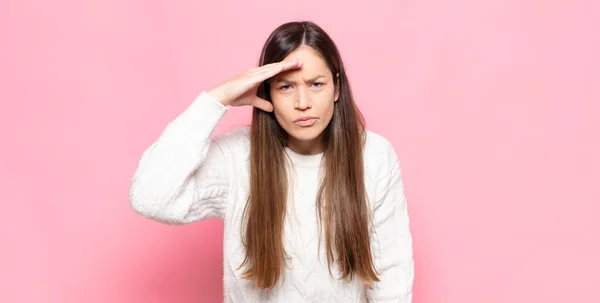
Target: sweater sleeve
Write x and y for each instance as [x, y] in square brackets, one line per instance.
[182, 177]
[391, 242]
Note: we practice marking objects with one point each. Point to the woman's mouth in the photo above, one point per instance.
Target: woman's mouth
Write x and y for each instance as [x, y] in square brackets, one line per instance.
[305, 121]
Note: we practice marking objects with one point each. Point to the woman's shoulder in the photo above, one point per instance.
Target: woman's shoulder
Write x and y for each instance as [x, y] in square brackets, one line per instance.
[235, 140]
[376, 144]
[379, 153]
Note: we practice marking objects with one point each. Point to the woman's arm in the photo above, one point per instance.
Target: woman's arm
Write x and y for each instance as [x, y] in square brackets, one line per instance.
[182, 177]
[391, 242]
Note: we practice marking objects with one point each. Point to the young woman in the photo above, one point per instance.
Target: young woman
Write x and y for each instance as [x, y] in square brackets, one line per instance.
[312, 202]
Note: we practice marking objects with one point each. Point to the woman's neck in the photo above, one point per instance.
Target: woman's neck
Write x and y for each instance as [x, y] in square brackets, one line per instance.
[307, 148]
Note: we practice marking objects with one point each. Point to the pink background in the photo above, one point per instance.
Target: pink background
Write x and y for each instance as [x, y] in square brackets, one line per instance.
[493, 107]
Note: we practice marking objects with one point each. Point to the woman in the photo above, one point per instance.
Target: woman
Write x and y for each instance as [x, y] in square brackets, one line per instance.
[313, 203]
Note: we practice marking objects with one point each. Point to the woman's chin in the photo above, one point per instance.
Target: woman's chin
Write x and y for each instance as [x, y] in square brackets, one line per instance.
[305, 134]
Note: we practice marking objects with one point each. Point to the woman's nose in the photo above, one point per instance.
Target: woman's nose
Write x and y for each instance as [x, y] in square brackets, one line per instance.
[302, 100]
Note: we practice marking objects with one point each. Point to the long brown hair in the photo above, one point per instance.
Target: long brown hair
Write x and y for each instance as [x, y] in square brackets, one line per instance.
[342, 200]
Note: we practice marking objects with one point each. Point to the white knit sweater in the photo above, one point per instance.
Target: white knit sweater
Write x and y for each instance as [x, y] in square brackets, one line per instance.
[186, 176]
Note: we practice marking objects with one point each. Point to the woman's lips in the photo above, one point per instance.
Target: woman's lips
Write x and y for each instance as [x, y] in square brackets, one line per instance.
[305, 121]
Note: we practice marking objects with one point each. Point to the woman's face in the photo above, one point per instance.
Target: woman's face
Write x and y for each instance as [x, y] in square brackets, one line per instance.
[303, 100]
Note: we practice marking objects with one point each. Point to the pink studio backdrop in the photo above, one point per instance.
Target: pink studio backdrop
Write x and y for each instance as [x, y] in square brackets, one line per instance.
[492, 106]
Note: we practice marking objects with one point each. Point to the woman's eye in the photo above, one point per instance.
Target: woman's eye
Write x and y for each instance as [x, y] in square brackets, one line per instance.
[284, 87]
[318, 83]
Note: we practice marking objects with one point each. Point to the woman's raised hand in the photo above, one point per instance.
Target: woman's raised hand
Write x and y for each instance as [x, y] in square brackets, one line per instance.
[241, 89]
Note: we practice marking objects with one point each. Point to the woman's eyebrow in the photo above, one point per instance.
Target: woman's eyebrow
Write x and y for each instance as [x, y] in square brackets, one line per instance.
[282, 80]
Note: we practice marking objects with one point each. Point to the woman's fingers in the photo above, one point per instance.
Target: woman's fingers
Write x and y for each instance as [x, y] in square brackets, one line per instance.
[238, 91]
[270, 70]
[262, 104]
